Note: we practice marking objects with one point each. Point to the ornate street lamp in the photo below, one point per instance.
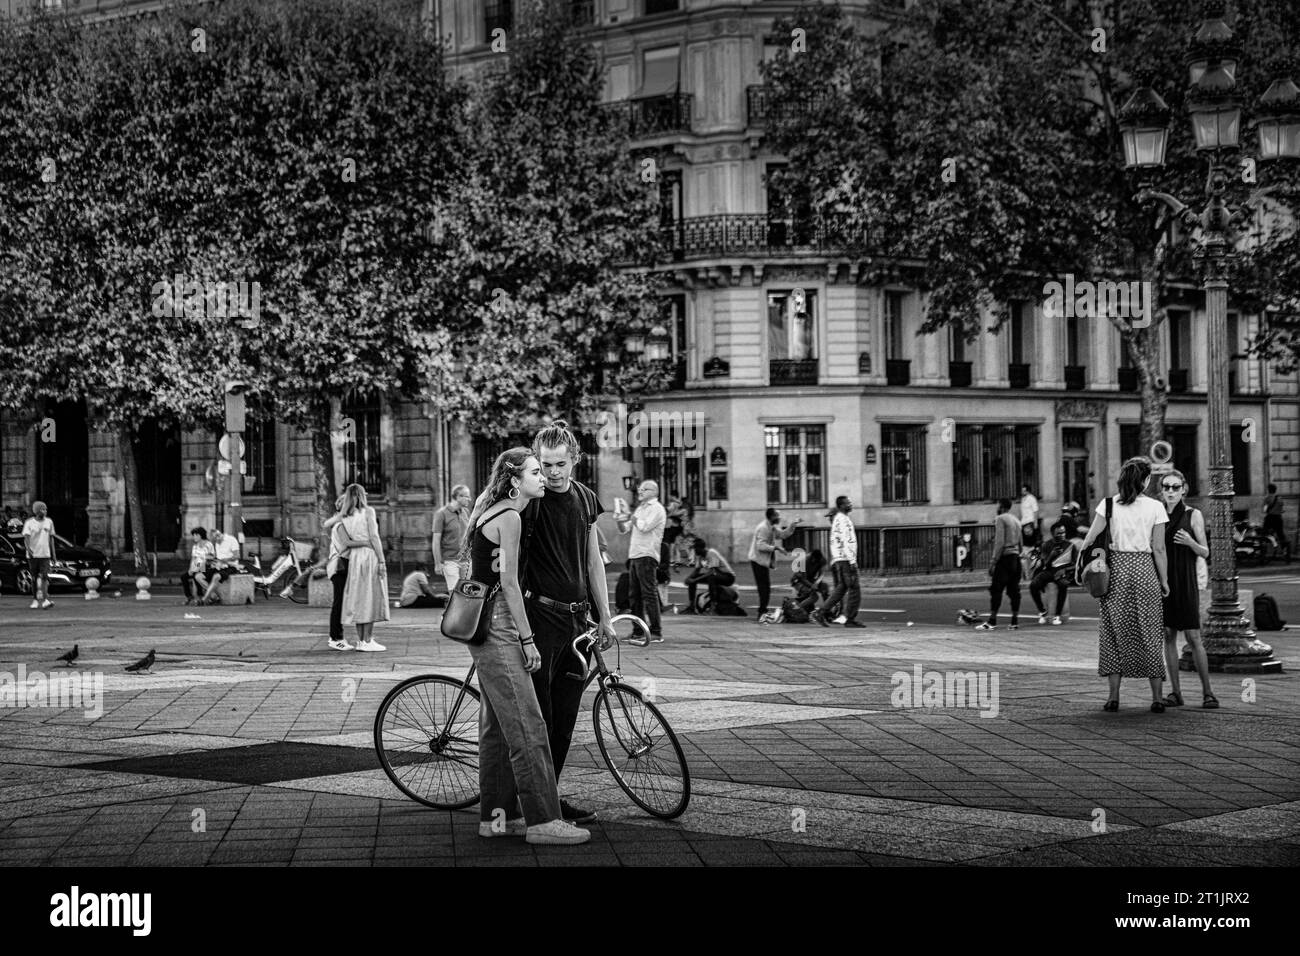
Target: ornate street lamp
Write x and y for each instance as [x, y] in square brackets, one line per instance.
[1213, 56]
[659, 345]
[1278, 121]
[635, 344]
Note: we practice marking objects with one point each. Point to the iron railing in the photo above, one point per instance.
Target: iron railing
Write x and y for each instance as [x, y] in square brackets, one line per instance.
[762, 104]
[646, 116]
[792, 371]
[697, 237]
[910, 550]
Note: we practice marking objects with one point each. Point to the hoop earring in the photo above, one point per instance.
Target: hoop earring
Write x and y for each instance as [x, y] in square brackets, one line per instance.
[512, 494]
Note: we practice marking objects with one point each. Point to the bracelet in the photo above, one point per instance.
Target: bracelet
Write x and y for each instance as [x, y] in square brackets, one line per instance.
[525, 641]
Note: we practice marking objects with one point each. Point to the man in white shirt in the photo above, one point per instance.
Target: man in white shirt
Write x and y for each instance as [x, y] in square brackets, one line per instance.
[38, 538]
[225, 562]
[1028, 517]
[417, 592]
[844, 565]
[647, 526]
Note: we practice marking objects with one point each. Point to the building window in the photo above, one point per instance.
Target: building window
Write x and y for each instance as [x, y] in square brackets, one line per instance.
[363, 460]
[659, 74]
[894, 345]
[993, 461]
[791, 331]
[661, 6]
[259, 440]
[1020, 337]
[679, 475]
[1075, 347]
[902, 463]
[1241, 483]
[1180, 339]
[498, 15]
[487, 449]
[796, 463]
[956, 343]
[1181, 437]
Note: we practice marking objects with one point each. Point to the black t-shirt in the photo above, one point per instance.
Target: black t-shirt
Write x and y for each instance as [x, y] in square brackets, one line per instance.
[556, 530]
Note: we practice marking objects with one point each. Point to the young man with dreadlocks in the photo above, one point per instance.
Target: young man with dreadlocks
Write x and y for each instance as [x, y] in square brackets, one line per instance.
[564, 581]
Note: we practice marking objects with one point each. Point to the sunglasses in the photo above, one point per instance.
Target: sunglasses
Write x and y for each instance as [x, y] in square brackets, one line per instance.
[1174, 487]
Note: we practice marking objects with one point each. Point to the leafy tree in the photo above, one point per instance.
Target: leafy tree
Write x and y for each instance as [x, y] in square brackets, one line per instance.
[1018, 103]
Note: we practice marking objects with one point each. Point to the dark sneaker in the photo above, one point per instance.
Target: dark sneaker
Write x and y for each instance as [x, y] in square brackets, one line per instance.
[574, 814]
[854, 624]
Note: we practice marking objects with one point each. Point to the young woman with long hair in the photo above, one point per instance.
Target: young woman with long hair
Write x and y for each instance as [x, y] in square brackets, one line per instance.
[516, 772]
[1184, 541]
[365, 596]
[1131, 633]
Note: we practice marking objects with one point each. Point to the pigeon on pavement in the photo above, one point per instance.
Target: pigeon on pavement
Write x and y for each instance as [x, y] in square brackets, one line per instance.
[143, 664]
[71, 656]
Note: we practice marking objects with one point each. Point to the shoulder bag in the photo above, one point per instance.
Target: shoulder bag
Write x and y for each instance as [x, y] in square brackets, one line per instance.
[469, 608]
[1094, 575]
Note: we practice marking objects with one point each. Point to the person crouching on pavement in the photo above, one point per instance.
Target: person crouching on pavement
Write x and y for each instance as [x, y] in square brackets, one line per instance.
[1057, 567]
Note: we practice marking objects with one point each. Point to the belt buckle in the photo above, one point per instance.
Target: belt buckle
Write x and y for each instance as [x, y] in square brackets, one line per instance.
[575, 607]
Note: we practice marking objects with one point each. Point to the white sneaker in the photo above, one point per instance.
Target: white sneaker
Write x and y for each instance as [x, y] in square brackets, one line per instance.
[371, 645]
[557, 833]
[513, 828]
[47, 605]
[1042, 618]
[1056, 620]
[36, 605]
[986, 627]
[340, 645]
[841, 619]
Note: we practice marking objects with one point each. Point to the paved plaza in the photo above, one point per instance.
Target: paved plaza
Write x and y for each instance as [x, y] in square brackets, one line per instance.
[251, 743]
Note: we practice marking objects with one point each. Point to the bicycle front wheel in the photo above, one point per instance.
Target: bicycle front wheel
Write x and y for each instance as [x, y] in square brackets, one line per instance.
[641, 751]
[426, 735]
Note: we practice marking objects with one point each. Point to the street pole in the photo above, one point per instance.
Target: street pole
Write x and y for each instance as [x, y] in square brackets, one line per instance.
[235, 430]
[1231, 644]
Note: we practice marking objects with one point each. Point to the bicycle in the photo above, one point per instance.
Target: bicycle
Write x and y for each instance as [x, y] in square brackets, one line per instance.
[426, 736]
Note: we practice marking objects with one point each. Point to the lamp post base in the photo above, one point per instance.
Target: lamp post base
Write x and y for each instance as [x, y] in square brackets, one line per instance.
[1233, 647]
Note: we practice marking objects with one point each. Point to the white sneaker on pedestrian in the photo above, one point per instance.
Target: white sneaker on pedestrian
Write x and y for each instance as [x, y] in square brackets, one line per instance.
[371, 645]
[47, 605]
[515, 828]
[841, 619]
[36, 605]
[340, 645]
[1042, 618]
[557, 833]
[986, 627]
[1056, 620]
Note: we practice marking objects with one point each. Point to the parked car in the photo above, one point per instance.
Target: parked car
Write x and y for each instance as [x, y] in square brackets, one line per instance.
[70, 569]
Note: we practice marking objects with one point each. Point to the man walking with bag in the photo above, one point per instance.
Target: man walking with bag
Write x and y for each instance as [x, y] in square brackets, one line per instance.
[844, 566]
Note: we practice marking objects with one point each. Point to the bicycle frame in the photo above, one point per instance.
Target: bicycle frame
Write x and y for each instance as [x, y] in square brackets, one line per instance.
[592, 638]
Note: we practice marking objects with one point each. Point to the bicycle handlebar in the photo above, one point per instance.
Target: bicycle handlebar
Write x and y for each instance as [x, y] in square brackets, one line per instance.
[592, 635]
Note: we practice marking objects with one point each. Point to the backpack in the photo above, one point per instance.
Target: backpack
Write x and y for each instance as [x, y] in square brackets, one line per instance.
[1266, 616]
[792, 613]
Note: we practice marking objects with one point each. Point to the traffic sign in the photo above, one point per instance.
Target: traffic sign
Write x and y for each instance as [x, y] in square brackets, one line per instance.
[224, 447]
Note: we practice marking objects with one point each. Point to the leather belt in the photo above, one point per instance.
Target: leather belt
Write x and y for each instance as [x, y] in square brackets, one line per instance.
[574, 607]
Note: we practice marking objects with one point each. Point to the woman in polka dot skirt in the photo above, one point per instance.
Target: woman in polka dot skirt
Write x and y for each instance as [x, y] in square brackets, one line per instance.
[1131, 633]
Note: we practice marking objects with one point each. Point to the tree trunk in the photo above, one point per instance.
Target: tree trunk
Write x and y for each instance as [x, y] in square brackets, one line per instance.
[131, 482]
[1153, 388]
[322, 461]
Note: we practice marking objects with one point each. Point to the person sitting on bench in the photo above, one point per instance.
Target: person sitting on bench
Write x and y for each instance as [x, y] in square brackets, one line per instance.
[223, 565]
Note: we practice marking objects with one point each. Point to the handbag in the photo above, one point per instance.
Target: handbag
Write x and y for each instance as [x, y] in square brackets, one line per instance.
[1094, 575]
[469, 612]
[469, 607]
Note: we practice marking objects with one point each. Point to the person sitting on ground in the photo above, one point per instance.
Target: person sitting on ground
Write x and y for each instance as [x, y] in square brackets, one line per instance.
[711, 570]
[809, 588]
[417, 592]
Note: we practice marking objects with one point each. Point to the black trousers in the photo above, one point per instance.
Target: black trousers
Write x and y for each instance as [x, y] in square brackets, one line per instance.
[644, 595]
[1039, 584]
[1006, 577]
[763, 578]
[340, 581]
[848, 589]
[559, 681]
[713, 578]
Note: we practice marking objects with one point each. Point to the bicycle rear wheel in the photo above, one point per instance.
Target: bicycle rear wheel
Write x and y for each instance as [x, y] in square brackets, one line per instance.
[426, 735]
[641, 751]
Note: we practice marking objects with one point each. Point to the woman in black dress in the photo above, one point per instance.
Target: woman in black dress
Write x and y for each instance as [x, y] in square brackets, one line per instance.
[1184, 543]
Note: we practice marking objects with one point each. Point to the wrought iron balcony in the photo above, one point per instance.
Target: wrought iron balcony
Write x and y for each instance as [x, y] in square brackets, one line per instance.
[959, 374]
[898, 371]
[1076, 377]
[792, 371]
[762, 104]
[647, 116]
[756, 234]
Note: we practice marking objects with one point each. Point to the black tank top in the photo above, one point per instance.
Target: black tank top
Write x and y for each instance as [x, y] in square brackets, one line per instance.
[484, 555]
